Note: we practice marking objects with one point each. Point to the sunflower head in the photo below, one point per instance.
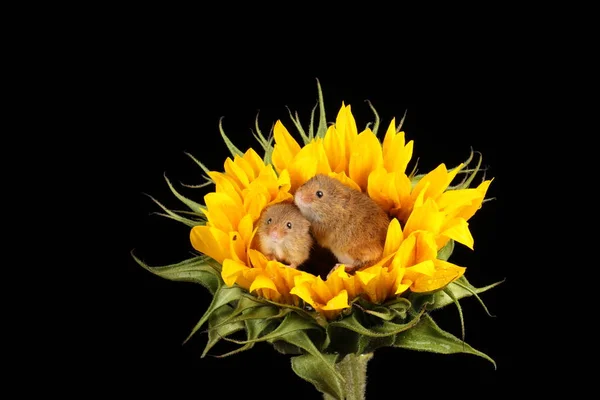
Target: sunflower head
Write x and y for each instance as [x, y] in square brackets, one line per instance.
[273, 228]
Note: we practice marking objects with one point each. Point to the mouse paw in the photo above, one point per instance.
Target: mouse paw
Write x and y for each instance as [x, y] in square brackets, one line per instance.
[348, 268]
[294, 266]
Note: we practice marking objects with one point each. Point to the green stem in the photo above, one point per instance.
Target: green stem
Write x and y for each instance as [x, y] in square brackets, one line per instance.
[354, 370]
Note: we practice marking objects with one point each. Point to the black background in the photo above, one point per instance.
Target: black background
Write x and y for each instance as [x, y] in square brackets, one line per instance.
[167, 100]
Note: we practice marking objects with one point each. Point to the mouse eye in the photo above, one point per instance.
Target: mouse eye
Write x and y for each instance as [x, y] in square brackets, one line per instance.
[289, 225]
[319, 194]
[269, 221]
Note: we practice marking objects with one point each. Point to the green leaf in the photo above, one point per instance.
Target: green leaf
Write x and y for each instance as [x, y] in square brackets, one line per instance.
[284, 347]
[218, 329]
[223, 295]
[460, 288]
[232, 149]
[318, 371]
[192, 205]
[301, 339]
[194, 270]
[445, 252]
[427, 336]
[368, 344]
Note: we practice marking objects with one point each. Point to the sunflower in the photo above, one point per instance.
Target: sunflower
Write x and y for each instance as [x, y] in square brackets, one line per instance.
[425, 213]
[331, 322]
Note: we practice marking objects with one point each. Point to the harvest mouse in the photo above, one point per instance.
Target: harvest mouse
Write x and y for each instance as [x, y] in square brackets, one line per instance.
[284, 234]
[344, 220]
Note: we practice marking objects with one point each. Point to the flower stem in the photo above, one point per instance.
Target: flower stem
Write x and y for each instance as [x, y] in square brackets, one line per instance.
[353, 368]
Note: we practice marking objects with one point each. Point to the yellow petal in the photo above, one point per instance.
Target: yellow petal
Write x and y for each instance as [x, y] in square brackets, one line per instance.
[453, 200]
[468, 211]
[245, 229]
[438, 181]
[285, 148]
[458, 230]
[399, 287]
[237, 173]
[263, 282]
[366, 156]
[225, 212]
[210, 241]
[309, 161]
[378, 188]
[246, 167]
[257, 259]
[390, 134]
[339, 302]
[237, 247]
[340, 280]
[335, 148]
[345, 123]
[405, 256]
[231, 271]
[284, 180]
[365, 277]
[393, 239]
[255, 201]
[445, 273]
[342, 177]
[426, 268]
[402, 288]
[304, 293]
[416, 248]
[322, 293]
[255, 161]
[397, 154]
[427, 218]
[227, 185]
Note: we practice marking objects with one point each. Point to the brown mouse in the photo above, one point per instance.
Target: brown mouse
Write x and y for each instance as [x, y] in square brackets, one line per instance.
[344, 220]
[283, 234]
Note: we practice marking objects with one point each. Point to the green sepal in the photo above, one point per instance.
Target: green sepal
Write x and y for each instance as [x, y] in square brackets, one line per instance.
[460, 288]
[386, 328]
[428, 336]
[260, 312]
[445, 252]
[218, 329]
[192, 205]
[322, 128]
[376, 124]
[318, 371]
[291, 323]
[230, 146]
[170, 214]
[222, 296]
[196, 270]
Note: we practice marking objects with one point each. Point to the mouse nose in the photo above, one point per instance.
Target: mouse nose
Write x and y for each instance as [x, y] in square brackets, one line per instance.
[275, 234]
[298, 198]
